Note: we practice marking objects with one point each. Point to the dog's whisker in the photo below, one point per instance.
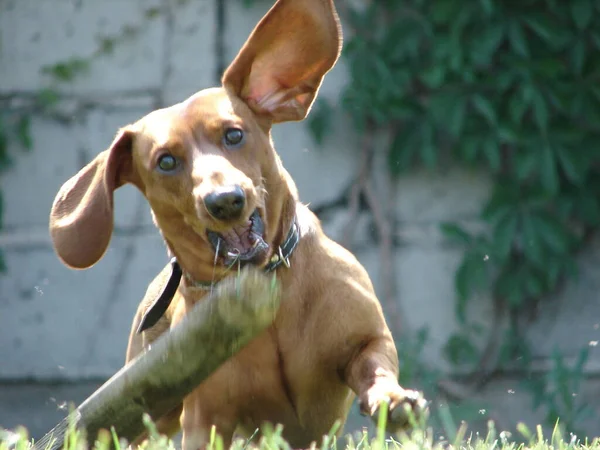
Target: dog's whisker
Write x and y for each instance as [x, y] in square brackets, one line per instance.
[212, 279]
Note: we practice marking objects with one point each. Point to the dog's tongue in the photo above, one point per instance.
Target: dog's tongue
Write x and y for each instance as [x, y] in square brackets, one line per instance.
[239, 238]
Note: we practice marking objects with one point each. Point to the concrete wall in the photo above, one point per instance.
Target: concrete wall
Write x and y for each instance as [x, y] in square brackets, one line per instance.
[60, 325]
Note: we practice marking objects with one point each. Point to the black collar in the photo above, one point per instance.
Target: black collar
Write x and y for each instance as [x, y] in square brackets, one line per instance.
[162, 302]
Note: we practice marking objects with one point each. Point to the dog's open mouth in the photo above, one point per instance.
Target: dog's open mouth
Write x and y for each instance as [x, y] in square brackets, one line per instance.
[242, 243]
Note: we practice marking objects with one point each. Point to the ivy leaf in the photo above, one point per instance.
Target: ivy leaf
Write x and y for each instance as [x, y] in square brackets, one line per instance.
[504, 201]
[533, 248]
[587, 208]
[319, 120]
[23, 131]
[487, 6]
[578, 54]
[573, 163]
[484, 47]
[4, 158]
[445, 10]
[459, 349]
[526, 162]
[428, 148]
[540, 110]
[457, 117]
[517, 39]
[517, 106]
[548, 170]
[504, 235]
[509, 286]
[468, 148]
[455, 233]
[581, 11]
[434, 76]
[491, 150]
[534, 283]
[403, 150]
[554, 234]
[547, 29]
[485, 108]
[470, 276]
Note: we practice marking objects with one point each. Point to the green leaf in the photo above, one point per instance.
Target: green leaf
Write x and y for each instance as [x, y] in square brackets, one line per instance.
[457, 117]
[573, 163]
[462, 284]
[553, 233]
[578, 53]
[47, 97]
[319, 120]
[504, 236]
[526, 163]
[484, 47]
[510, 287]
[23, 130]
[487, 6]
[468, 148]
[455, 233]
[428, 149]
[491, 150]
[459, 349]
[444, 11]
[540, 111]
[533, 247]
[517, 106]
[403, 149]
[4, 158]
[587, 208]
[503, 201]
[470, 276]
[67, 71]
[548, 170]
[434, 76]
[547, 28]
[534, 284]
[517, 39]
[485, 108]
[582, 13]
[2, 262]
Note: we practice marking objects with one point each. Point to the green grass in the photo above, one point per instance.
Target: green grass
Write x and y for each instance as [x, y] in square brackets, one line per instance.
[421, 437]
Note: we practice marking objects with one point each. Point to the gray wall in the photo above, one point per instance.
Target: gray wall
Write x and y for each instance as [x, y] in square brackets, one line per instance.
[60, 325]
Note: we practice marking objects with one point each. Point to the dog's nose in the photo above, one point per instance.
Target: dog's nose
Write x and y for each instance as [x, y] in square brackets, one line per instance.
[226, 203]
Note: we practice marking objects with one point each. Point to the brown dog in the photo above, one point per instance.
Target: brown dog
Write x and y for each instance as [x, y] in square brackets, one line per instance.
[220, 197]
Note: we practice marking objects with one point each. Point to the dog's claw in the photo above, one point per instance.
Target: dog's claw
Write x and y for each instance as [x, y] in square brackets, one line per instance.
[412, 405]
[405, 408]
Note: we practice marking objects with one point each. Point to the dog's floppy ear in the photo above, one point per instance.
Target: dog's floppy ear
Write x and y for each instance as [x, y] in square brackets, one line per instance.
[81, 219]
[281, 66]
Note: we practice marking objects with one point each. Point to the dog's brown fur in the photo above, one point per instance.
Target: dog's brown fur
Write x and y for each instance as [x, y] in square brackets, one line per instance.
[329, 340]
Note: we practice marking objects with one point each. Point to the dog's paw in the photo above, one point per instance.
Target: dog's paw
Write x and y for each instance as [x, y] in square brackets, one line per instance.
[402, 404]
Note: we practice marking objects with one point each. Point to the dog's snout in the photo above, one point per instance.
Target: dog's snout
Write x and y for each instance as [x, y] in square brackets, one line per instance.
[226, 203]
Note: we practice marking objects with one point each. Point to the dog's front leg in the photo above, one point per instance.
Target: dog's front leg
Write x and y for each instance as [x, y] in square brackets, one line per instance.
[373, 375]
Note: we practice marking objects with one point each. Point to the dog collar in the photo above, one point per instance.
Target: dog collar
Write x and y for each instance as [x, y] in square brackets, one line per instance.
[162, 302]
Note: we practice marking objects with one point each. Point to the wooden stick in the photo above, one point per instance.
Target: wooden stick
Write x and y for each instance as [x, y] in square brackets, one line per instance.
[155, 382]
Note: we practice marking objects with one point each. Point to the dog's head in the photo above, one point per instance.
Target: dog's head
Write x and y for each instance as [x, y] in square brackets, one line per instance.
[207, 165]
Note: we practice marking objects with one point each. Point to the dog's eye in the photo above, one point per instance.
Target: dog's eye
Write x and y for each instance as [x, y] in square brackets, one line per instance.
[233, 137]
[167, 163]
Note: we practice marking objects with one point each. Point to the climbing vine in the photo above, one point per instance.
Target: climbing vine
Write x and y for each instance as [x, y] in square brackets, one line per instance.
[17, 110]
[508, 88]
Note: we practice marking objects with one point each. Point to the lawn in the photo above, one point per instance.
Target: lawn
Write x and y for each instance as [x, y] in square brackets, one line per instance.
[420, 438]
